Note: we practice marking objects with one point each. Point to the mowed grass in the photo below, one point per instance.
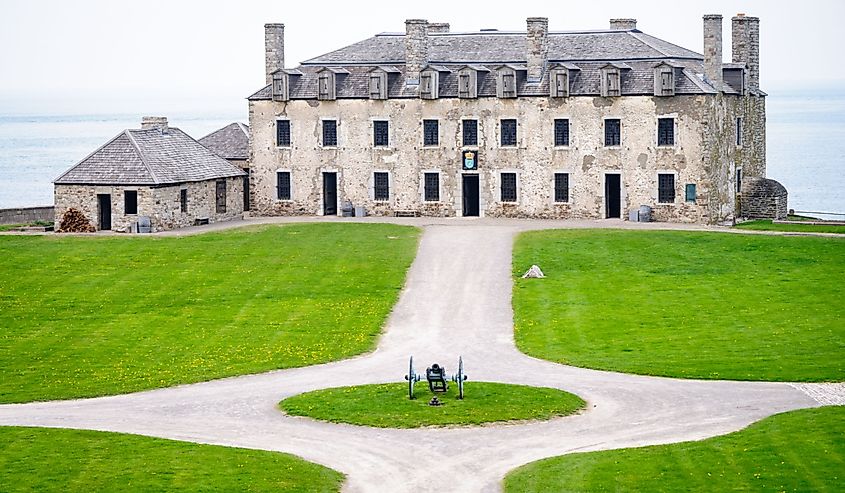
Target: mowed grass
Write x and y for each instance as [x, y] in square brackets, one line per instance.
[85, 316]
[796, 451]
[388, 405]
[768, 225]
[56, 460]
[684, 304]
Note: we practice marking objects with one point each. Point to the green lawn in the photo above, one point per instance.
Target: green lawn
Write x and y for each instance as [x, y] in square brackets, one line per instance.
[767, 225]
[388, 406]
[684, 304]
[56, 460]
[85, 316]
[796, 451]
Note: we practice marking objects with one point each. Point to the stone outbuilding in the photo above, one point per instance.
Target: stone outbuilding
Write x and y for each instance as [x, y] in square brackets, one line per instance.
[763, 198]
[157, 173]
[232, 144]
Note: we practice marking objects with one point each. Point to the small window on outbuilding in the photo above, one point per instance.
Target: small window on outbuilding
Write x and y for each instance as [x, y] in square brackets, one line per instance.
[665, 131]
[561, 187]
[283, 185]
[508, 128]
[130, 201]
[431, 183]
[329, 133]
[381, 133]
[283, 133]
[561, 132]
[508, 187]
[431, 132]
[612, 132]
[470, 132]
[429, 82]
[665, 188]
[220, 196]
[183, 200]
[381, 186]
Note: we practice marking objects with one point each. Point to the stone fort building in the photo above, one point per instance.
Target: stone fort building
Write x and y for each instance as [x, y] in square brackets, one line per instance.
[540, 124]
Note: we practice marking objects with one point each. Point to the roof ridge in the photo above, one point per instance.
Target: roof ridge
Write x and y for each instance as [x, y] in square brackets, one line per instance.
[647, 43]
[142, 156]
[91, 154]
[664, 41]
[244, 128]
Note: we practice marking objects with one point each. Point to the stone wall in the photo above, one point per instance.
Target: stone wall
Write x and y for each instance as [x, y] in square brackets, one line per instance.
[704, 154]
[23, 215]
[162, 204]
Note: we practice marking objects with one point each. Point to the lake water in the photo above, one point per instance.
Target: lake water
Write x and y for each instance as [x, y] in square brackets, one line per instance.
[806, 148]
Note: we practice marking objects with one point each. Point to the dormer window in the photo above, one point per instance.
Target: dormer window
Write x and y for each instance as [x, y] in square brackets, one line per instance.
[559, 83]
[326, 85]
[610, 82]
[429, 84]
[378, 85]
[280, 87]
[664, 80]
[468, 83]
[506, 85]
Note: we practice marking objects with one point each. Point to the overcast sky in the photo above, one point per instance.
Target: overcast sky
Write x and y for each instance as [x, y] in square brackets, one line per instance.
[160, 56]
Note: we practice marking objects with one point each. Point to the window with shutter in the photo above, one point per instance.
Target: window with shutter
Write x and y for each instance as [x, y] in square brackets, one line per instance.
[668, 82]
[326, 86]
[507, 79]
[613, 83]
[280, 87]
[470, 132]
[665, 188]
[378, 86]
[467, 84]
[428, 84]
[560, 84]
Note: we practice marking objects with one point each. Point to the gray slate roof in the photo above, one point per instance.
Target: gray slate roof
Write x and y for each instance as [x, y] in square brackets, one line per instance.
[230, 142]
[149, 157]
[588, 50]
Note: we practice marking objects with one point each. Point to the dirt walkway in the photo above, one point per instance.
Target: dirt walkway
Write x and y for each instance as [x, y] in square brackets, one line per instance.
[457, 301]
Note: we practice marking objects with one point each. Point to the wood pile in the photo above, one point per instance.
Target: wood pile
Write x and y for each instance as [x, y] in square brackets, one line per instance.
[74, 221]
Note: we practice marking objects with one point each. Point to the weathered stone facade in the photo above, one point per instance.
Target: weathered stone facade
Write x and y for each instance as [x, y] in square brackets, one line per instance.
[162, 204]
[706, 152]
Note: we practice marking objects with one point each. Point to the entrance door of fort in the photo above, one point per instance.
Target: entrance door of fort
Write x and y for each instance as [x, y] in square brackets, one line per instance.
[470, 194]
[104, 211]
[612, 199]
[329, 194]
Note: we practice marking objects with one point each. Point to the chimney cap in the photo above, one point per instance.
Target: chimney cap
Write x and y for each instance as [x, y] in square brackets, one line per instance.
[416, 21]
[537, 19]
[274, 24]
[712, 17]
[623, 24]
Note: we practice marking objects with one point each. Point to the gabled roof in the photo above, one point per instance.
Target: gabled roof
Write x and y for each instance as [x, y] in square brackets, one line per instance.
[149, 157]
[230, 142]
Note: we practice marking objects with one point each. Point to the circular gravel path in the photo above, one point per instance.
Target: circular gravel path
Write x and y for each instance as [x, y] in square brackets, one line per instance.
[456, 301]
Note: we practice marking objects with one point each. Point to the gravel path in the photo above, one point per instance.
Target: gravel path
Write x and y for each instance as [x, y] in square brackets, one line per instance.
[457, 301]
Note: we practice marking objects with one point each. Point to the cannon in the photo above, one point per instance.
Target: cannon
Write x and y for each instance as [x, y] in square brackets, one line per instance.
[437, 378]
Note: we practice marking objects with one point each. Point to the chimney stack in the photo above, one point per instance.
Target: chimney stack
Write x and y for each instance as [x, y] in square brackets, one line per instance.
[416, 48]
[537, 43]
[745, 37]
[150, 122]
[623, 24]
[274, 49]
[438, 27]
[713, 49]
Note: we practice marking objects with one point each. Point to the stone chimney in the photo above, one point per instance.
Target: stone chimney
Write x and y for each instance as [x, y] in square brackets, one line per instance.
[537, 46]
[150, 122]
[713, 49]
[623, 24]
[745, 41]
[416, 48]
[438, 27]
[274, 49]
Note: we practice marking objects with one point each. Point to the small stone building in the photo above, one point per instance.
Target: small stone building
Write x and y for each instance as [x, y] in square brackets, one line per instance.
[530, 123]
[156, 172]
[232, 144]
[762, 198]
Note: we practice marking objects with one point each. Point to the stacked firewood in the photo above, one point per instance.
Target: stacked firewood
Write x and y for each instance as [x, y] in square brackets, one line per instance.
[74, 221]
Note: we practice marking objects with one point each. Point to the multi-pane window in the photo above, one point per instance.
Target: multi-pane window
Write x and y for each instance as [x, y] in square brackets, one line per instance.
[183, 199]
[130, 202]
[561, 187]
[329, 133]
[283, 133]
[220, 196]
[739, 131]
[431, 132]
[665, 131]
[283, 185]
[612, 132]
[561, 132]
[665, 188]
[470, 132]
[508, 132]
[431, 182]
[508, 187]
[381, 186]
[381, 133]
